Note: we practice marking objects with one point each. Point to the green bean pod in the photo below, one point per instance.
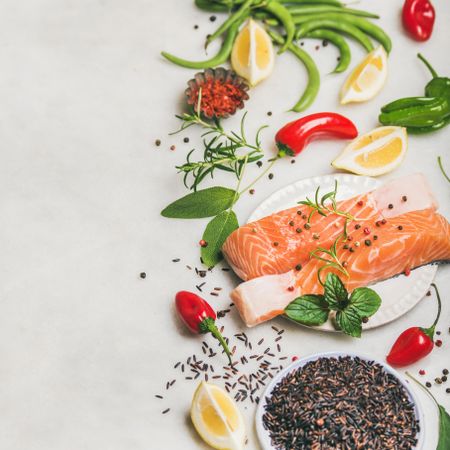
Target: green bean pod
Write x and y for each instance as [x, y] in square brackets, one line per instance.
[313, 2]
[285, 17]
[209, 6]
[312, 88]
[417, 116]
[220, 58]
[409, 102]
[320, 9]
[238, 16]
[338, 41]
[342, 26]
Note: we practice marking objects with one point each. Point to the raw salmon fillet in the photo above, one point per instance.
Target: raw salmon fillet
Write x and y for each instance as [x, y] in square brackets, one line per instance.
[403, 243]
[280, 242]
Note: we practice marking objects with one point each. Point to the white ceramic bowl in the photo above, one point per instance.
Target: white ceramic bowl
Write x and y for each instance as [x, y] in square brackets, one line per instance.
[263, 434]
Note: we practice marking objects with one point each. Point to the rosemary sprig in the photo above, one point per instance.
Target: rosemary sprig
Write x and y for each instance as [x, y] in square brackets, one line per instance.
[223, 151]
[318, 204]
[333, 260]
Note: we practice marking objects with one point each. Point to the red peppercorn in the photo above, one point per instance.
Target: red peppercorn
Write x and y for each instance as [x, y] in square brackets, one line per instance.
[366, 230]
[360, 203]
[407, 272]
[203, 243]
[294, 358]
[383, 222]
[349, 238]
[290, 288]
[422, 372]
[438, 343]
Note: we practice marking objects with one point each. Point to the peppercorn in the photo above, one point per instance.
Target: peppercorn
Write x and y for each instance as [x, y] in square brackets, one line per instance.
[299, 212]
[390, 206]
[298, 230]
[292, 161]
[186, 140]
[195, 27]
[444, 378]
[438, 343]
[345, 247]
[405, 198]
[259, 163]
[447, 390]
[367, 230]
[251, 191]
[438, 380]
[304, 217]
[421, 372]
[213, 18]
[172, 147]
[375, 237]
[203, 243]
[400, 227]
[143, 275]
[351, 250]
[269, 113]
[368, 242]
[291, 223]
[275, 244]
[298, 267]
[365, 319]
[307, 226]
[360, 203]
[445, 371]
[290, 288]
[325, 43]
[158, 142]
[428, 384]
[270, 176]
[383, 222]
[357, 226]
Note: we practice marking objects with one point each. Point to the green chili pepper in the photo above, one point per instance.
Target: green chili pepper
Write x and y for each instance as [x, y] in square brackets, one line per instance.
[408, 102]
[312, 88]
[342, 26]
[220, 58]
[285, 17]
[417, 116]
[320, 9]
[438, 86]
[436, 126]
[337, 40]
[241, 14]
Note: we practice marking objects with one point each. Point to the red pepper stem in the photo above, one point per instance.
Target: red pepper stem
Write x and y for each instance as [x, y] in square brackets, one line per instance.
[430, 331]
[208, 326]
[429, 66]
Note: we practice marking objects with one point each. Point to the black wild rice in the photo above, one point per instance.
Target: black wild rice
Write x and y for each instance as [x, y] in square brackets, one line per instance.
[340, 403]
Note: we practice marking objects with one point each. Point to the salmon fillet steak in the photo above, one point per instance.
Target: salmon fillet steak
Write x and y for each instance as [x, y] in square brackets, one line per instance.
[284, 240]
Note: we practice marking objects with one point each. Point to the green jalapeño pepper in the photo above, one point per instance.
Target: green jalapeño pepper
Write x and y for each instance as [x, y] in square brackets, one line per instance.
[421, 114]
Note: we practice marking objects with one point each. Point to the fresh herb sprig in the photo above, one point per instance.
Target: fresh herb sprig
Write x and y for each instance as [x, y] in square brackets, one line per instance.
[444, 419]
[319, 205]
[224, 151]
[351, 310]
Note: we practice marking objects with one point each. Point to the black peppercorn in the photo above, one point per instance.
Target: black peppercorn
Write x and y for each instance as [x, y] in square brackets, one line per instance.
[390, 206]
[143, 275]
[368, 242]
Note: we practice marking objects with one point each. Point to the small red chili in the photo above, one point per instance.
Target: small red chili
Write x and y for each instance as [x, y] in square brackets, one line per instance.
[414, 343]
[295, 136]
[418, 18]
[199, 317]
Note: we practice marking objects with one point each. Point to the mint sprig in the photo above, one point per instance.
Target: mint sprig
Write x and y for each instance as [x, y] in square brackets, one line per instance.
[350, 310]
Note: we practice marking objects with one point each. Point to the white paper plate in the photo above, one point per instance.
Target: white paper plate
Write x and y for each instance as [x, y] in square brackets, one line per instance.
[399, 294]
[263, 434]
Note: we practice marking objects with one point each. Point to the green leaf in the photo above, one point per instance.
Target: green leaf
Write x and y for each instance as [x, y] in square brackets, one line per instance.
[217, 230]
[349, 321]
[204, 203]
[335, 293]
[444, 429]
[365, 301]
[308, 310]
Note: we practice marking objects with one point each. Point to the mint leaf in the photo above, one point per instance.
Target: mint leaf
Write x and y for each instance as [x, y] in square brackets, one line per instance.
[349, 321]
[365, 301]
[308, 310]
[217, 230]
[204, 203]
[335, 293]
[444, 429]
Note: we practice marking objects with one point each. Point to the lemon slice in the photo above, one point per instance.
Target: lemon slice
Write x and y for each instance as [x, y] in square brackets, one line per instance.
[367, 79]
[252, 56]
[374, 153]
[217, 419]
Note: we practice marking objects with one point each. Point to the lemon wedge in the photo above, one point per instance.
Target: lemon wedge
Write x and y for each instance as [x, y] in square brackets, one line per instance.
[367, 79]
[217, 419]
[374, 153]
[252, 56]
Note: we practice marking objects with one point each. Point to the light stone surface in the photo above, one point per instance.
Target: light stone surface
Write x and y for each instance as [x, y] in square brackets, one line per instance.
[85, 343]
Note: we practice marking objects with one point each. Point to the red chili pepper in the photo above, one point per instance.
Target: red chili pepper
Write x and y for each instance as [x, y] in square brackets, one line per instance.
[295, 136]
[198, 316]
[414, 343]
[418, 18]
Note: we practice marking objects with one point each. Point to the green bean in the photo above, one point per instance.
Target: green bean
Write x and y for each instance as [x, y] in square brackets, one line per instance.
[320, 9]
[220, 58]
[207, 5]
[342, 26]
[312, 88]
[337, 40]
[313, 2]
[359, 22]
[284, 16]
[240, 14]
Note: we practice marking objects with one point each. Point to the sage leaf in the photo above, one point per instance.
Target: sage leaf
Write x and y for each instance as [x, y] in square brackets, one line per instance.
[335, 293]
[444, 429]
[217, 230]
[308, 310]
[365, 301]
[204, 203]
[349, 321]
